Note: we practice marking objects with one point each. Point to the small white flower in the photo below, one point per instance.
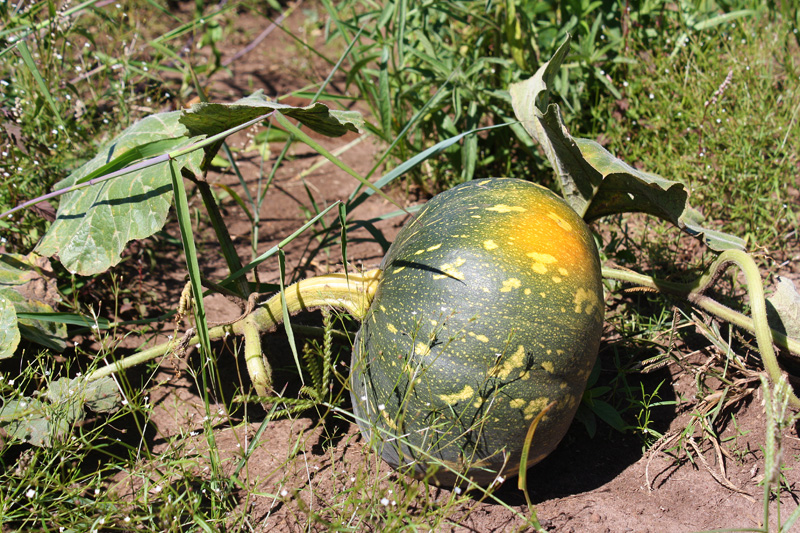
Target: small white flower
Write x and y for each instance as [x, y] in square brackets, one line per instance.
[31, 493]
[126, 519]
[384, 501]
[457, 490]
[284, 492]
[96, 492]
[381, 407]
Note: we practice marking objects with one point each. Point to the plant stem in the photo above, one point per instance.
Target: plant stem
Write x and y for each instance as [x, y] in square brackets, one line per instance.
[352, 292]
[693, 292]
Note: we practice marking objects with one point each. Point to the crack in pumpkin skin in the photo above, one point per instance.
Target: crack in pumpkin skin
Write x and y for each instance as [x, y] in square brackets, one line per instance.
[467, 339]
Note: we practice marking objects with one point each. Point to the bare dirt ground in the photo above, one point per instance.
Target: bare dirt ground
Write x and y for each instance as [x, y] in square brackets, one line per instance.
[603, 484]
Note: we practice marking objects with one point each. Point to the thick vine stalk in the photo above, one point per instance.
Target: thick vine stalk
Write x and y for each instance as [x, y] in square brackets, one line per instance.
[758, 325]
[351, 292]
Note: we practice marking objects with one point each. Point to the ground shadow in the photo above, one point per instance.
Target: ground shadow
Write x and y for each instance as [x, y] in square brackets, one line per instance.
[582, 463]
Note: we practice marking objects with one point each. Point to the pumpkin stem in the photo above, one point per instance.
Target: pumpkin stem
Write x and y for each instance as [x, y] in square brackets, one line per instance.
[352, 292]
[757, 325]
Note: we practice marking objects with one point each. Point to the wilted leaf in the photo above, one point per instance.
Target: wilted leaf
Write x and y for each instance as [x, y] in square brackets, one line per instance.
[783, 308]
[23, 285]
[94, 224]
[212, 118]
[9, 332]
[38, 422]
[100, 396]
[594, 182]
[42, 422]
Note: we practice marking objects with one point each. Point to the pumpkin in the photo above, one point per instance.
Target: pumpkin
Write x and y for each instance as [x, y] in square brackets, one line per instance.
[489, 309]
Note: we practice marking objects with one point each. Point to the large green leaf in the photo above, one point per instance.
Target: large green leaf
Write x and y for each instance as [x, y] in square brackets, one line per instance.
[26, 288]
[43, 422]
[94, 224]
[213, 118]
[595, 182]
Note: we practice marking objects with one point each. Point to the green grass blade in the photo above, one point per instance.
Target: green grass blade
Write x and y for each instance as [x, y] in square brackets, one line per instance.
[287, 323]
[343, 240]
[236, 198]
[272, 251]
[302, 136]
[190, 251]
[411, 163]
[70, 319]
[384, 98]
[223, 236]
[25, 53]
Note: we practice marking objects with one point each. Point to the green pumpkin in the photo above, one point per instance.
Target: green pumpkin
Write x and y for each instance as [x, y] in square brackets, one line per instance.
[489, 309]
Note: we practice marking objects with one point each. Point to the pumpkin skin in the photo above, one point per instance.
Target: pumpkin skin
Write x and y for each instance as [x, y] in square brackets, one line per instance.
[490, 308]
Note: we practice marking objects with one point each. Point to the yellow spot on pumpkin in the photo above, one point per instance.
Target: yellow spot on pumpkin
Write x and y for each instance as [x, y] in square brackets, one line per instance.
[399, 269]
[540, 261]
[420, 251]
[383, 308]
[489, 244]
[451, 269]
[507, 365]
[388, 419]
[422, 349]
[476, 216]
[585, 301]
[560, 221]
[563, 271]
[503, 208]
[527, 292]
[517, 403]
[535, 406]
[548, 365]
[435, 247]
[482, 338]
[477, 403]
[391, 328]
[466, 393]
[511, 284]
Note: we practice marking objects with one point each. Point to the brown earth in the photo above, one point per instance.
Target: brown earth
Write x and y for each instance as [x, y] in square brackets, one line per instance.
[303, 467]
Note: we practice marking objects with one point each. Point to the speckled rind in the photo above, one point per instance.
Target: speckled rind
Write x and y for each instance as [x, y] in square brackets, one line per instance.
[489, 309]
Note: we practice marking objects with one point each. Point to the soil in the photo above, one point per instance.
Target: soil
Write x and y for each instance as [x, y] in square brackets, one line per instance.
[302, 466]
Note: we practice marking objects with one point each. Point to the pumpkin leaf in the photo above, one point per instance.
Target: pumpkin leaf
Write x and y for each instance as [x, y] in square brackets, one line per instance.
[212, 118]
[25, 288]
[49, 419]
[783, 308]
[9, 331]
[94, 224]
[33, 421]
[101, 395]
[593, 181]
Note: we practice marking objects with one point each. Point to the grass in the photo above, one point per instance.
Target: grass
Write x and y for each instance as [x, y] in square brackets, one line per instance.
[678, 112]
[724, 111]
